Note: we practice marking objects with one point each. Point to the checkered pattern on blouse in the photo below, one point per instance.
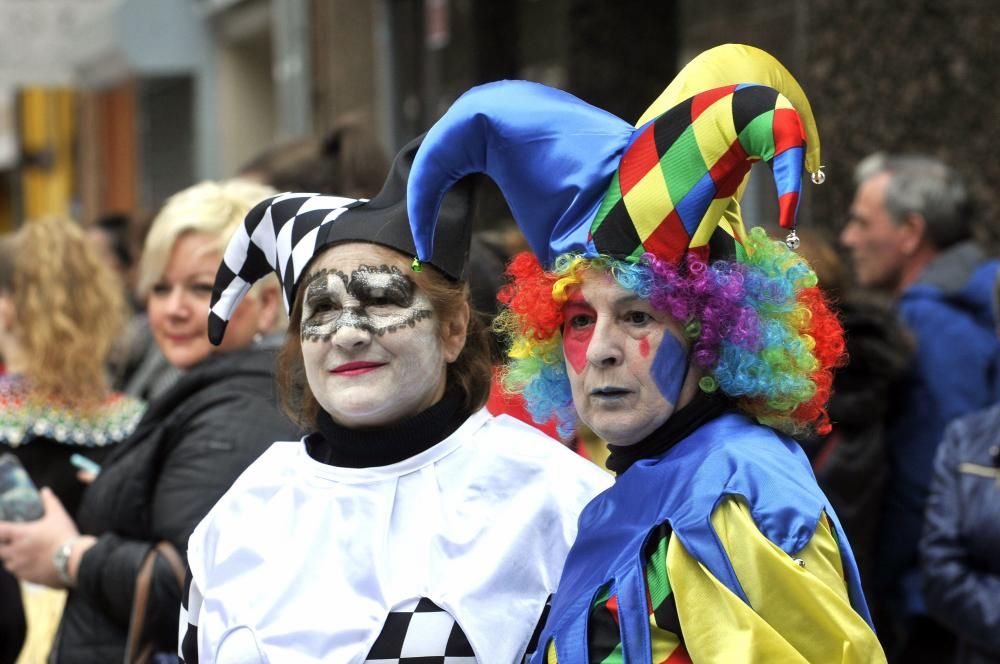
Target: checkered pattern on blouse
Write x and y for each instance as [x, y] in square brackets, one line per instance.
[421, 632]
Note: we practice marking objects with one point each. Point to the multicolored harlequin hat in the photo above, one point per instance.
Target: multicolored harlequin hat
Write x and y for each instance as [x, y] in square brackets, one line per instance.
[580, 179]
[282, 234]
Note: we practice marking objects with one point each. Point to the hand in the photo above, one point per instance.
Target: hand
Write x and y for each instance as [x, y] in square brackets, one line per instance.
[26, 549]
[86, 476]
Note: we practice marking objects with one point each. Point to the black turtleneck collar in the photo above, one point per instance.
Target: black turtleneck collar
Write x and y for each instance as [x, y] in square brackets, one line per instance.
[337, 445]
[702, 408]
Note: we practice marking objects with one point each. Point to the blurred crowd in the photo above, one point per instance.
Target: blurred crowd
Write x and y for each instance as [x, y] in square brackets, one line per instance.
[114, 400]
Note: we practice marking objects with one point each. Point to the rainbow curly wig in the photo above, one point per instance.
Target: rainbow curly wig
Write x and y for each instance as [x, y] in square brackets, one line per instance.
[760, 329]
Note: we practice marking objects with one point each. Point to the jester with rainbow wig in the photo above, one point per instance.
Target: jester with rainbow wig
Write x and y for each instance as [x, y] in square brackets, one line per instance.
[694, 347]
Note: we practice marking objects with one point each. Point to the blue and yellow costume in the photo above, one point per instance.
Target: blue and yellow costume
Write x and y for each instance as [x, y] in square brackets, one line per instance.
[714, 545]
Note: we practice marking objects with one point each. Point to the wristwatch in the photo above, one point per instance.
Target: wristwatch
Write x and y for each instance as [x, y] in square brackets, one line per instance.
[61, 561]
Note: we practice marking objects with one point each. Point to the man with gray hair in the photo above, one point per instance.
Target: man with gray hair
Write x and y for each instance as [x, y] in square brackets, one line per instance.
[909, 234]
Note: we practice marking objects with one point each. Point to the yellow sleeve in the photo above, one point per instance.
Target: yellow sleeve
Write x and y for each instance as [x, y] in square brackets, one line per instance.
[801, 612]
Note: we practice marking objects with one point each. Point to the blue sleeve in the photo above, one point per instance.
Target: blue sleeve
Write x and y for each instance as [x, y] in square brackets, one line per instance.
[959, 595]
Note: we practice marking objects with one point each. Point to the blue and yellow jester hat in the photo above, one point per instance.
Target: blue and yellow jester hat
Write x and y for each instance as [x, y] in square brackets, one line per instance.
[579, 179]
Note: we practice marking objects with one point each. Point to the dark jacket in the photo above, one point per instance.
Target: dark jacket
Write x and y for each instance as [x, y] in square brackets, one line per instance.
[956, 371]
[851, 462]
[188, 449]
[960, 549]
[12, 625]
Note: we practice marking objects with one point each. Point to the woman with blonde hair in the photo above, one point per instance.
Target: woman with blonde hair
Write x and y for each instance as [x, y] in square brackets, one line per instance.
[189, 447]
[60, 311]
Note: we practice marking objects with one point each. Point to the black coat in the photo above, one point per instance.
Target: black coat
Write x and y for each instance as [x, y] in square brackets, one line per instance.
[12, 625]
[851, 463]
[188, 449]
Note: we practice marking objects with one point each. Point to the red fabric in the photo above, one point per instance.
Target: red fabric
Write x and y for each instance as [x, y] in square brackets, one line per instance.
[788, 131]
[640, 158]
[728, 170]
[705, 99]
[670, 238]
[787, 205]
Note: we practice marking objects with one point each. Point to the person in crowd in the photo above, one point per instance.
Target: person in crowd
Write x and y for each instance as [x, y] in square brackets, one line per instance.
[60, 311]
[714, 544]
[851, 462]
[347, 161]
[137, 364]
[909, 234]
[189, 447]
[117, 242]
[411, 523]
[961, 537]
[13, 627]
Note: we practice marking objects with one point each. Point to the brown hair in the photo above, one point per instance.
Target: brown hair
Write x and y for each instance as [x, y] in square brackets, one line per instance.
[69, 306]
[347, 161]
[471, 371]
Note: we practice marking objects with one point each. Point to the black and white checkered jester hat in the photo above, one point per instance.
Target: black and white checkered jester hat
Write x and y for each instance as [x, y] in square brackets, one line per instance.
[285, 232]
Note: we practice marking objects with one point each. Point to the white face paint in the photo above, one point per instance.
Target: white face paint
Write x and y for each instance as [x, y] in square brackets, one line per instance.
[627, 362]
[370, 342]
[380, 299]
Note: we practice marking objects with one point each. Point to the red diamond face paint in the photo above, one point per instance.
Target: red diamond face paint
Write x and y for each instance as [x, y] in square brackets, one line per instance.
[578, 329]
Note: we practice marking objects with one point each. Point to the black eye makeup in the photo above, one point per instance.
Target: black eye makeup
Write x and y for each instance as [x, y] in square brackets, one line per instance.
[377, 298]
[381, 286]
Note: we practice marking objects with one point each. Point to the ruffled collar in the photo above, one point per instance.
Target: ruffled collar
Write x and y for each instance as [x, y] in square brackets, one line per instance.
[702, 408]
[23, 419]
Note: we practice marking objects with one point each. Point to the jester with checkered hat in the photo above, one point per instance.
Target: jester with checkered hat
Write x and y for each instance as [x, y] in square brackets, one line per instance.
[694, 347]
[409, 524]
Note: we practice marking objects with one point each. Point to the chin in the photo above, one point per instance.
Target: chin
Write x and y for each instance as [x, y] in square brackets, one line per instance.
[183, 359]
[363, 415]
[622, 431]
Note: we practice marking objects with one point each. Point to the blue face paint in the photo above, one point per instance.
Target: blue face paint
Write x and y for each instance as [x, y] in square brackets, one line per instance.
[669, 367]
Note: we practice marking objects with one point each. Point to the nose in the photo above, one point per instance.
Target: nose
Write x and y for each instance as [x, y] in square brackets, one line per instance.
[606, 345]
[352, 337]
[177, 305]
[847, 236]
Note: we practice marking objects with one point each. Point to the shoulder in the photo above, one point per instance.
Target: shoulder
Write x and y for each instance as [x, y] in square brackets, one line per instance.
[733, 457]
[735, 438]
[502, 461]
[926, 307]
[922, 307]
[976, 431]
[255, 487]
[234, 396]
[526, 450]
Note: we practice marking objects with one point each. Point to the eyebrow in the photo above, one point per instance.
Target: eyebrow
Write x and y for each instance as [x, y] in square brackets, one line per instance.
[374, 279]
[626, 299]
[577, 300]
[316, 286]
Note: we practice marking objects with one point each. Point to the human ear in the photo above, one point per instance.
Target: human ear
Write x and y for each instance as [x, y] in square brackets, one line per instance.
[270, 303]
[914, 231]
[454, 332]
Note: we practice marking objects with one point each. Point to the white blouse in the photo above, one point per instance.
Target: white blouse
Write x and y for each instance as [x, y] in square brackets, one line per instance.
[302, 561]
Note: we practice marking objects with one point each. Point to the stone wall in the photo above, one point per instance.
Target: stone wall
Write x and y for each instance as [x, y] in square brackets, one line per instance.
[906, 76]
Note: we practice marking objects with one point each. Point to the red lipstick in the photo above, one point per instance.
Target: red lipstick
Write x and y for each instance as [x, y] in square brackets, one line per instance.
[356, 368]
